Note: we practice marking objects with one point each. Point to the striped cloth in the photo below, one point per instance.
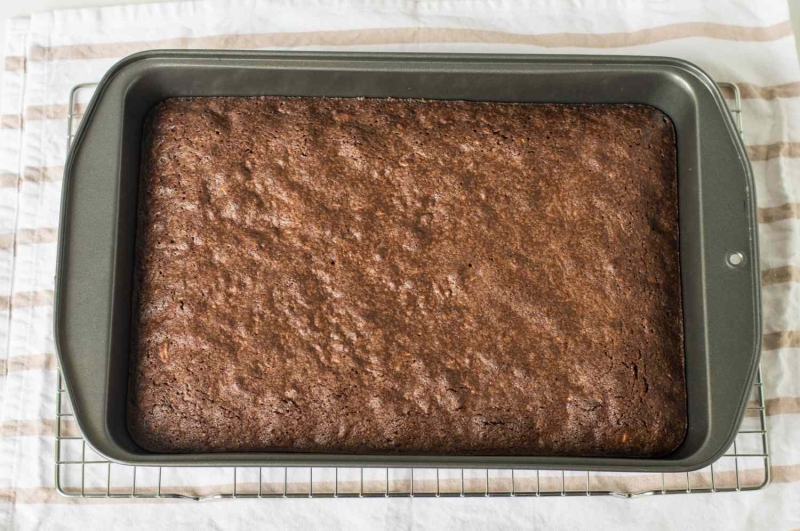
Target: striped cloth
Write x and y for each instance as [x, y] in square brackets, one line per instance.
[742, 41]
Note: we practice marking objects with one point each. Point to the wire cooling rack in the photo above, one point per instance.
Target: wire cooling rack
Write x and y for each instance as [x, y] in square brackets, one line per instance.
[81, 473]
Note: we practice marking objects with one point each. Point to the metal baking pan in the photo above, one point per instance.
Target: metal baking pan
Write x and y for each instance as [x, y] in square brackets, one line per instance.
[721, 301]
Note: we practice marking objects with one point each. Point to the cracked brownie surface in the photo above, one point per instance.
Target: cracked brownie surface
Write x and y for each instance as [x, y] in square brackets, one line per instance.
[407, 276]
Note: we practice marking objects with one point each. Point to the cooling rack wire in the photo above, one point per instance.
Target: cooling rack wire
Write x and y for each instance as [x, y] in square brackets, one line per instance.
[81, 473]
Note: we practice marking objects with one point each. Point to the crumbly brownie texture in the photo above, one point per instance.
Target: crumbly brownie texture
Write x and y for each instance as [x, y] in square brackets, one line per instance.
[406, 276]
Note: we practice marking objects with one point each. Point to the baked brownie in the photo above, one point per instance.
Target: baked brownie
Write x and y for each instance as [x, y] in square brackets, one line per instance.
[406, 276]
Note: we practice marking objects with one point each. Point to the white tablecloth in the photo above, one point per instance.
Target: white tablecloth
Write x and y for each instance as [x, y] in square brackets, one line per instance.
[742, 41]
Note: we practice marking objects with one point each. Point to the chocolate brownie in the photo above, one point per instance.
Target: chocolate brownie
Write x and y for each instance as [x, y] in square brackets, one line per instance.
[375, 276]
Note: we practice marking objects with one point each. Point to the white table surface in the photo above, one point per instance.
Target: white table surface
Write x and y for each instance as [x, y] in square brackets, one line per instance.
[16, 8]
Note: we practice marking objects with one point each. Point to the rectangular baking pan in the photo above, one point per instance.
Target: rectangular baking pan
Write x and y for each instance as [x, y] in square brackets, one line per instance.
[721, 302]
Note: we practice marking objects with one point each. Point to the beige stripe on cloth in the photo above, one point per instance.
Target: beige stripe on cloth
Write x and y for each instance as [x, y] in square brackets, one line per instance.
[781, 339]
[10, 121]
[43, 174]
[53, 111]
[783, 405]
[9, 180]
[780, 275]
[27, 299]
[35, 362]
[35, 427]
[378, 36]
[40, 112]
[750, 91]
[762, 152]
[14, 63]
[29, 236]
[779, 405]
[779, 213]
